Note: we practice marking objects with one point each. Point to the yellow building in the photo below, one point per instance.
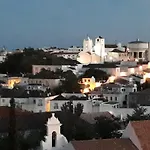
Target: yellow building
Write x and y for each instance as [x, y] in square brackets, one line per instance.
[88, 84]
[12, 81]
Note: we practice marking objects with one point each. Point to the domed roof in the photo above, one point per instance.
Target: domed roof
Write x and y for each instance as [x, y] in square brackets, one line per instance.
[95, 58]
[84, 57]
[136, 42]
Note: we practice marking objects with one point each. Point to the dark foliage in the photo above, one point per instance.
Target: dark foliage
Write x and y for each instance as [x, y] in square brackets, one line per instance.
[146, 85]
[48, 74]
[107, 127]
[69, 126]
[18, 63]
[139, 113]
[12, 126]
[69, 83]
[98, 74]
[78, 109]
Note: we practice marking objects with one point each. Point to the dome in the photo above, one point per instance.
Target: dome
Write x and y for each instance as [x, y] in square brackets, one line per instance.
[136, 42]
[84, 57]
[137, 45]
[95, 58]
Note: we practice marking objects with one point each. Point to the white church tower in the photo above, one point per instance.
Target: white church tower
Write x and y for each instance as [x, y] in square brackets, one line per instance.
[87, 44]
[99, 48]
[54, 139]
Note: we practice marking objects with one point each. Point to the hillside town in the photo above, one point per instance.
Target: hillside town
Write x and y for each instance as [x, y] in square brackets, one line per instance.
[92, 97]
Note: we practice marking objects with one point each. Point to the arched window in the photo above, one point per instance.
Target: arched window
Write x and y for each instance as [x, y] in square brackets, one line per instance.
[54, 137]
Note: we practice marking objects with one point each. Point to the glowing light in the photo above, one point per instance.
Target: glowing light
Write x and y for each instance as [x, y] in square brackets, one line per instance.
[110, 58]
[132, 71]
[98, 84]
[111, 112]
[136, 60]
[47, 106]
[11, 82]
[111, 79]
[86, 90]
[140, 68]
[122, 74]
[148, 65]
[86, 83]
[146, 76]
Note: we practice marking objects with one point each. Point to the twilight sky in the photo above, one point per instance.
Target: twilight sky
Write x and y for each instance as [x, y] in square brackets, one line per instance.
[62, 23]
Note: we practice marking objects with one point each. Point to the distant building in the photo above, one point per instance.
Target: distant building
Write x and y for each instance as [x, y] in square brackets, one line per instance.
[139, 50]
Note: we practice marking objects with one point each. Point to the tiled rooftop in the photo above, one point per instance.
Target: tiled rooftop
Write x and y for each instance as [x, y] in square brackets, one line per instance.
[4, 112]
[142, 129]
[104, 144]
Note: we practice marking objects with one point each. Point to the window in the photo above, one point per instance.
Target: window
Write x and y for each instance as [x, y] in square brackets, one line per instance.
[3, 100]
[135, 54]
[123, 90]
[115, 98]
[34, 101]
[134, 90]
[126, 96]
[111, 98]
[54, 137]
[140, 54]
[40, 103]
[56, 106]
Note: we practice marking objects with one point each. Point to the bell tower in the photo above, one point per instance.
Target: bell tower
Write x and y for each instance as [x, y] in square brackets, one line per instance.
[87, 44]
[100, 48]
[54, 139]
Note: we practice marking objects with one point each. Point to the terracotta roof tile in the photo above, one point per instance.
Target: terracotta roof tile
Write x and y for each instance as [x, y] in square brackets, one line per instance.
[4, 112]
[104, 144]
[142, 129]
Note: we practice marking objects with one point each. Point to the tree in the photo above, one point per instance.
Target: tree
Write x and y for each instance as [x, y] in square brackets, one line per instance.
[71, 117]
[78, 110]
[98, 74]
[107, 127]
[139, 113]
[67, 107]
[146, 85]
[12, 125]
[17, 63]
[70, 83]
[48, 74]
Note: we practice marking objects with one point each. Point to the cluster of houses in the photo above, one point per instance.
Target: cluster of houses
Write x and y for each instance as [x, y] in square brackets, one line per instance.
[128, 69]
[117, 95]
